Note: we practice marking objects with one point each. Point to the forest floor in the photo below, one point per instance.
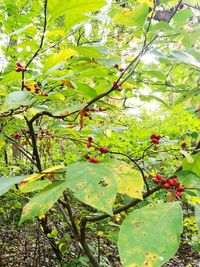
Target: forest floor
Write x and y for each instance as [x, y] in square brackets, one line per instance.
[26, 247]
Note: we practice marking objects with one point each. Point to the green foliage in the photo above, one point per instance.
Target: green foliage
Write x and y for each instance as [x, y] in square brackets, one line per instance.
[7, 183]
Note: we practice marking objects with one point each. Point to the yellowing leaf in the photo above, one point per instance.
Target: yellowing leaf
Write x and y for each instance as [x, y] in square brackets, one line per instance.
[129, 180]
[74, 11]
[132, 17]
[58, 58]
[43, 201]
[148, 2]
[36, 176]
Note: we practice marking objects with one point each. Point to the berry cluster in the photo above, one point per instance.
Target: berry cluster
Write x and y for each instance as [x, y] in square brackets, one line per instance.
[17, 135]
[20, 67]
[171, 183]
[44, 133]
[36, 89]
[101, 149]
[155, 139]
[38, 134]
[120, 69]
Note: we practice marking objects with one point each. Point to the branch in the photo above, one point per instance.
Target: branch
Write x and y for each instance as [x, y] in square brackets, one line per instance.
[34, 145]
[43, 33]
[80, 236]
[85, 245]
[26, 153]
[122, 208]
[41, 42]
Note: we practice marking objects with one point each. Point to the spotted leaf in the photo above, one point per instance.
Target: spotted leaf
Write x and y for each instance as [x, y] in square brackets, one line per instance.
[93, 184]
[150, 236]
[43, 201]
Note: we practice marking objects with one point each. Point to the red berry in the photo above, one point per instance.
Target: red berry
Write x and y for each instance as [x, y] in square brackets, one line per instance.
[158, 137]
[116, 66]
[40, 137]
[19, 64]
[171, 182]
[184, 144]
[18, 69]
[17, 135]
[122, 70]
[157, 141]
[103, 149]
[156, 180]
[181, 6]
[24, 69]
[89, 145]
[94, 160]
[180, 188]
[175, 181]
[163, 180]
[90, 139]
[86, 156]
[158, 176]
[177, 185]
[153, 136]
[166, 186]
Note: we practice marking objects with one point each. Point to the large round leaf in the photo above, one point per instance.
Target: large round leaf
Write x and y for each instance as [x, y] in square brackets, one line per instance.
[93, 184]
[150, 236]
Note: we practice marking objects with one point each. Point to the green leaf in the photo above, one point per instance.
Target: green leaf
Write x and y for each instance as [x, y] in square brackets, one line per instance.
[182, 16]
[149, 98]
[185, 96]
[93, 184]
[7, 183]
[58, 58]
[192, 165]
[150, 236]
[88, 51]
[16, 99]
[43, 201]
[74, 11]
[69, 109]
[56, 96]
[86, 90]
[197, 215]
[185, 58]
[132, 17]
